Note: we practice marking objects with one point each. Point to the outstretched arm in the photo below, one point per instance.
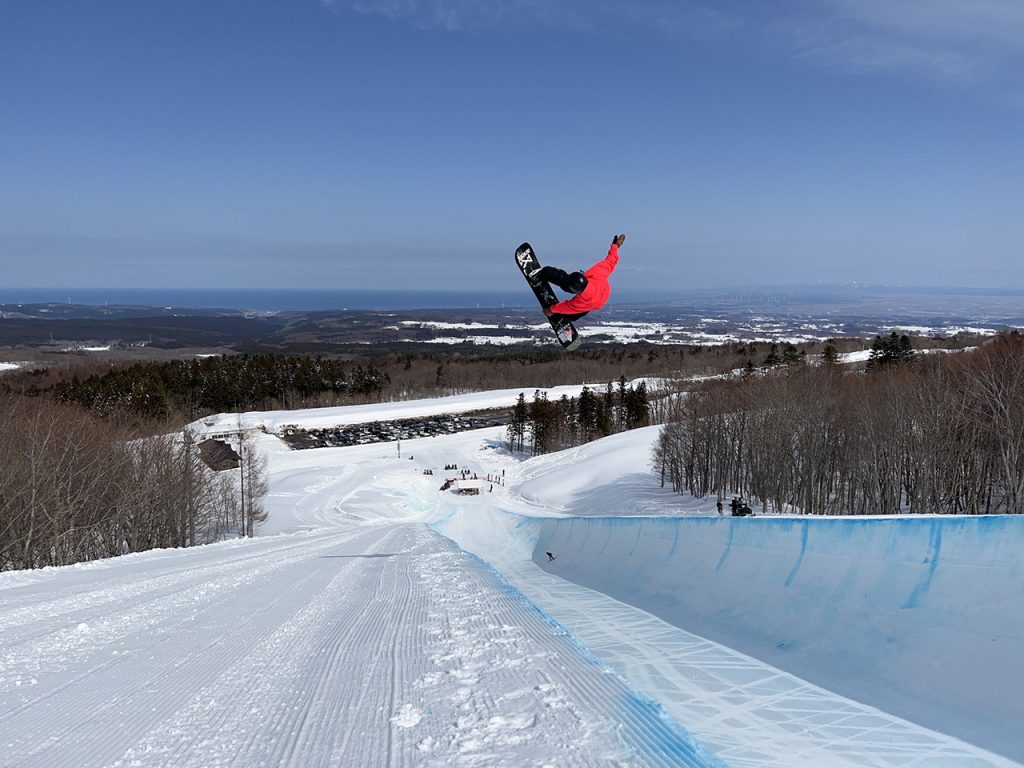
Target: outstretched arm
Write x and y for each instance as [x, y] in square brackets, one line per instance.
[607, 265]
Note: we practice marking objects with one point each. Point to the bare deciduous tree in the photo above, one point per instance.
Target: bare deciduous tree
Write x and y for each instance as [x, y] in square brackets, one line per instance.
[74, 487]
[941, 436]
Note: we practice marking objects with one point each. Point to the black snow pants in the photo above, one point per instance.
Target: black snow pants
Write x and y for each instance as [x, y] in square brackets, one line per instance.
[558, 277]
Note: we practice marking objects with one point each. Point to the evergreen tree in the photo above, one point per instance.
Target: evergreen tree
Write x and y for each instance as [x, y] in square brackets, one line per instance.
[543, 423]
[620, 405]
[891, 351]
[637, 407]
[792, 356]
[216, 384]
[517, 424]
[589, 415]
[773, 358]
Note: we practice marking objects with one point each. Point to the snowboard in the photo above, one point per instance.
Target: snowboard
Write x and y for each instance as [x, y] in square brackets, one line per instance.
[565, 331]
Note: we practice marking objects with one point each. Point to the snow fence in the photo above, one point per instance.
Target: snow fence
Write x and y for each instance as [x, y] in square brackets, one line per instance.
[922, 617]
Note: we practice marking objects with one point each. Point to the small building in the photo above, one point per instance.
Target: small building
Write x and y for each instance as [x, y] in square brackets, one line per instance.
[470, 486]
[218, 455]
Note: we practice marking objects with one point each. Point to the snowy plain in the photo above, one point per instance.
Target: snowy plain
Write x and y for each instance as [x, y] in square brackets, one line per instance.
[705, 330]
[376, 620]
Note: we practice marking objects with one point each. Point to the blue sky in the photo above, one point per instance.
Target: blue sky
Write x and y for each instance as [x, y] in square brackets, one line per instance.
[415, 143]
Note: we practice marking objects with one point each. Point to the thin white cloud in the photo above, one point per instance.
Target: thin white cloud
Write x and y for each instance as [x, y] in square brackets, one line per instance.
[949, 40]
[952, 40]
[683, 19]
[668, 16]
[991, 23]
[861, 51]
[456, 15]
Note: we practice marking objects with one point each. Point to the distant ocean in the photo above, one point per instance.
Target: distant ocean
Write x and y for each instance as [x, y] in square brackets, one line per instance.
[268, 300]
[307, 300]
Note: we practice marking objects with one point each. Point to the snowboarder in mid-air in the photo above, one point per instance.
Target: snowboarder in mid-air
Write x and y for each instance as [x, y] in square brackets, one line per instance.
[591, 288]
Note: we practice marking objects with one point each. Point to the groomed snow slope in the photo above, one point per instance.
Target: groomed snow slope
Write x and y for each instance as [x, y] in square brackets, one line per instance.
[380, 645]
[350, 633]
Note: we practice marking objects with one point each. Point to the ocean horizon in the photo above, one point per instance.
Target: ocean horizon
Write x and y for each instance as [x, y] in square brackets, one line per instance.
[312, 299]
[268, 300]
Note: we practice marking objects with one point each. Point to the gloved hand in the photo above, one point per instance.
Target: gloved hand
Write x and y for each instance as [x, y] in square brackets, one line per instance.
[619, 239]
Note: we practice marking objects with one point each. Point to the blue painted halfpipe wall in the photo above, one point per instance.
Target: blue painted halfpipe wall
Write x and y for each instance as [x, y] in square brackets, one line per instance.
[920, 616]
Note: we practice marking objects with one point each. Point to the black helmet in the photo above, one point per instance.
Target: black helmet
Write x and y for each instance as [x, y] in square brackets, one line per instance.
[576, 282]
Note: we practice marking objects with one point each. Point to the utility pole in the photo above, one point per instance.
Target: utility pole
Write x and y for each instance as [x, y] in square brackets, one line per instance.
[241, 482]
[188, 532]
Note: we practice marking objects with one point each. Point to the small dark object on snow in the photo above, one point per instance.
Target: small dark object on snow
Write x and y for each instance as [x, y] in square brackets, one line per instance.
[550, 556]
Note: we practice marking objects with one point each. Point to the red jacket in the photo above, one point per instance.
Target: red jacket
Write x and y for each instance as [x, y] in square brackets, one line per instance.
[596, 294]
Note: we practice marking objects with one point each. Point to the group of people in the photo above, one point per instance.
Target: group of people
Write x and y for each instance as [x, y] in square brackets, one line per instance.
[738, 507]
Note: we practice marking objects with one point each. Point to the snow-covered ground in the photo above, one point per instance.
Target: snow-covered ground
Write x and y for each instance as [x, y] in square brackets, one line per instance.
[376, 620]
[863, 355]
[705, 330]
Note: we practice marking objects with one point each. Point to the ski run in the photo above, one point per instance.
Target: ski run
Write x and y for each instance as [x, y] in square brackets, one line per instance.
[376, 620]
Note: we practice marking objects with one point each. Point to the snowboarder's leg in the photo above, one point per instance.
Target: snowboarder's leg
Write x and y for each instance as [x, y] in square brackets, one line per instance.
[570, 318]
[560, 278]
[555, 275]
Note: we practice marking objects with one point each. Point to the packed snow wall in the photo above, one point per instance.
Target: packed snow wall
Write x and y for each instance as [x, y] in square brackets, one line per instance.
[922, 617]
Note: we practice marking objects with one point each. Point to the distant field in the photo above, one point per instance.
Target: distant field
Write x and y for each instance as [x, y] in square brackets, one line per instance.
[760, 315]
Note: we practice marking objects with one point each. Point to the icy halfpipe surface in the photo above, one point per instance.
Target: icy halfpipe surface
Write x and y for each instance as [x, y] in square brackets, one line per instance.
[922, 617]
